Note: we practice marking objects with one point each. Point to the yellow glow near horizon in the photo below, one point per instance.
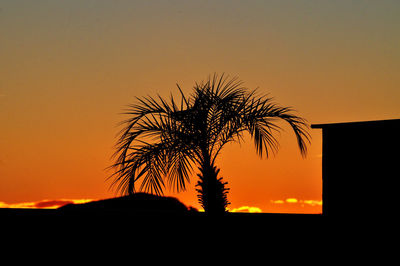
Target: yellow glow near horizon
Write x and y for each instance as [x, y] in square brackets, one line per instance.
[250, 209]
[43, 204]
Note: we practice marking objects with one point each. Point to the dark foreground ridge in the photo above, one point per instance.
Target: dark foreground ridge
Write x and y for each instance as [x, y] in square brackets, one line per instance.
[136, 204]
[15, 212]
[145, 209]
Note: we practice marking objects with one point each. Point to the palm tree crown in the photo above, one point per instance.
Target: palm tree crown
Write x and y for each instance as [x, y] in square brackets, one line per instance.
[162, 140]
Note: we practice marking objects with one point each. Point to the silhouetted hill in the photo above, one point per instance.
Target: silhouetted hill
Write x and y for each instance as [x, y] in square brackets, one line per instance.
[153, 215]
[138, 203]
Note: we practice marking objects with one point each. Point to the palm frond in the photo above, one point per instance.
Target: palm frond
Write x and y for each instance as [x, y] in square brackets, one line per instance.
[262, 114]
[146, 145]
[179, 170]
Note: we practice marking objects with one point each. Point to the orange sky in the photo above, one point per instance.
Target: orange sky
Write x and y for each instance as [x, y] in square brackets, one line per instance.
[68, 68]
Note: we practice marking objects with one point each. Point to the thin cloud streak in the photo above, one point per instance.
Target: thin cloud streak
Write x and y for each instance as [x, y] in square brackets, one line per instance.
[246, 209]
[297, 201]
[43, 204]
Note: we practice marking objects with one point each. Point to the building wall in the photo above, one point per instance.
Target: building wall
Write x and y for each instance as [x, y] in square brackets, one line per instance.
[361, 165]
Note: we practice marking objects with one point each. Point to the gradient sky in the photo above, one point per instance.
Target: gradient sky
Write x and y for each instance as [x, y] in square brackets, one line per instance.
[68, 68]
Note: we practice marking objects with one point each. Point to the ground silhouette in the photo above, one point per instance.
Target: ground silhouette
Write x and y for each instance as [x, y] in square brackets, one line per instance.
[138, 203]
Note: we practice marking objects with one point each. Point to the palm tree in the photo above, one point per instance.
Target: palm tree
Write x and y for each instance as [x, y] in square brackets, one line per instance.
[164, 139]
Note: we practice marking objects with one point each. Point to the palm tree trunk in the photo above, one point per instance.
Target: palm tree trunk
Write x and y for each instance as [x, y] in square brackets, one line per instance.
[212, 193]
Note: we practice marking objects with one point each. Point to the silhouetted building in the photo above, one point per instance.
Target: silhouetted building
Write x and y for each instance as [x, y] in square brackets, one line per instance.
[360, 167]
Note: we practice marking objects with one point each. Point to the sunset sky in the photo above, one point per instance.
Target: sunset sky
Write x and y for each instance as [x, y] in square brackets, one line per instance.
[68, 69]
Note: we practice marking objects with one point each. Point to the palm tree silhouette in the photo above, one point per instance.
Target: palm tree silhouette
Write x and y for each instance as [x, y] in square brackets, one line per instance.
[162, 140]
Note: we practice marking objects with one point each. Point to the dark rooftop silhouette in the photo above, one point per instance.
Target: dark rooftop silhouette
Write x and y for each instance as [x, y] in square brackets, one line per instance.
[359, 163]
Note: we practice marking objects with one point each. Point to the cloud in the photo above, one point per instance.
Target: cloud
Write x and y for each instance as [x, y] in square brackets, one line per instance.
[313, 202]
[277, 201]
[292, 200]
[43, 204]
[52, 203]
[297, 201]
[17, 205]
[246, 209]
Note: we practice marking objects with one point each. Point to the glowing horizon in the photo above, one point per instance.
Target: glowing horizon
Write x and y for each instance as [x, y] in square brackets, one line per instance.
[56, 203]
